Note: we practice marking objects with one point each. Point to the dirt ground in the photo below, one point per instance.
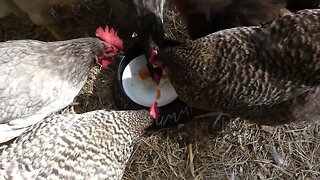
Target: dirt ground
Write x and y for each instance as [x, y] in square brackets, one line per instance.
[197, 150]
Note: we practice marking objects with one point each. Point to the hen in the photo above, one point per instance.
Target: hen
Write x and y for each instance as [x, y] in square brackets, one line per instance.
[207, 16]
[150, 24]
[93, 145]
[39, 11]
[253, 72]
[144, 18]
[38, 78]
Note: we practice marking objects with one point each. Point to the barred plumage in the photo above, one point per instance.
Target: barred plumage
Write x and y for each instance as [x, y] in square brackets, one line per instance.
[93, 145]
[251, 72]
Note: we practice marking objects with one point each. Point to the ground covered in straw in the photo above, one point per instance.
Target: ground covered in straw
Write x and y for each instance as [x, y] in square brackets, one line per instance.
[197, 150]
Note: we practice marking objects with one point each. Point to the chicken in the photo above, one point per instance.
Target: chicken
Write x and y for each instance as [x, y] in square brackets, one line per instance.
[39, 11]
[256, 73]
[150, 24]
[93, 145]
[143, 18]
[207, 16]
[38, 78]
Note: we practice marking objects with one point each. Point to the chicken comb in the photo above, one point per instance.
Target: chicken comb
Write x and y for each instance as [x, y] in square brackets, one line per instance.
[153, 54]
[110, 36]
[154, 111]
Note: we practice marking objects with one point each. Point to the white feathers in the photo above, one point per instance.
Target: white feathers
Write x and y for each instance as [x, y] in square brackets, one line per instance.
[75, 146]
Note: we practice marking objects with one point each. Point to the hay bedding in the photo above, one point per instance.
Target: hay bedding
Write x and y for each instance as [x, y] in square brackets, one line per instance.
[198, 150]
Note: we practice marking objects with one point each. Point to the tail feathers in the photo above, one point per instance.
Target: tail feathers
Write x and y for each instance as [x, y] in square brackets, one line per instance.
[16, 127]
[8, 133]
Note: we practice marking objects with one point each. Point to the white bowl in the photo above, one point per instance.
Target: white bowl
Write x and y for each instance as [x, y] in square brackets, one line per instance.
[140, 88]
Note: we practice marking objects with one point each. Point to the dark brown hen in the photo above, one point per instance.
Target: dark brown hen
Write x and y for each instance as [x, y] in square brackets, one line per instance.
[207, 16]
[252, 72]
[141, 17]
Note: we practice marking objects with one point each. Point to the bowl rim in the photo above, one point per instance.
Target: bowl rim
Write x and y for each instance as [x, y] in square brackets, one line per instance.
[131, 53]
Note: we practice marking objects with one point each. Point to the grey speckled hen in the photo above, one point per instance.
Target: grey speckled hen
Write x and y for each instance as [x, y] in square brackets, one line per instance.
[39, 78]
[93, 145]
[253, 72]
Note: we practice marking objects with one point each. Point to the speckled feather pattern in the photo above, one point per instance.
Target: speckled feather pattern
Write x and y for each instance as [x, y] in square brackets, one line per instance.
[93, 145]
[248, 68]
[39, 78]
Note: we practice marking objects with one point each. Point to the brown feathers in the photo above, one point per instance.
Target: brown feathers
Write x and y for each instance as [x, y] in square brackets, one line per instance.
[245, 71]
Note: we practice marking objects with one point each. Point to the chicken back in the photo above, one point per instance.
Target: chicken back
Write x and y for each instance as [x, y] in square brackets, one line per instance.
[92, 145]
[252, 72]
[38, 78]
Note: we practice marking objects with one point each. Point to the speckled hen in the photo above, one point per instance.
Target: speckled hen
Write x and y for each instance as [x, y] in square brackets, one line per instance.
[255, 72]
[93, 145]
[39, 78]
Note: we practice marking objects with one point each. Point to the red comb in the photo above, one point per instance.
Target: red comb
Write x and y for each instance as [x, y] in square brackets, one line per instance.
[110, 36]
[154, 110]
[153, 54]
